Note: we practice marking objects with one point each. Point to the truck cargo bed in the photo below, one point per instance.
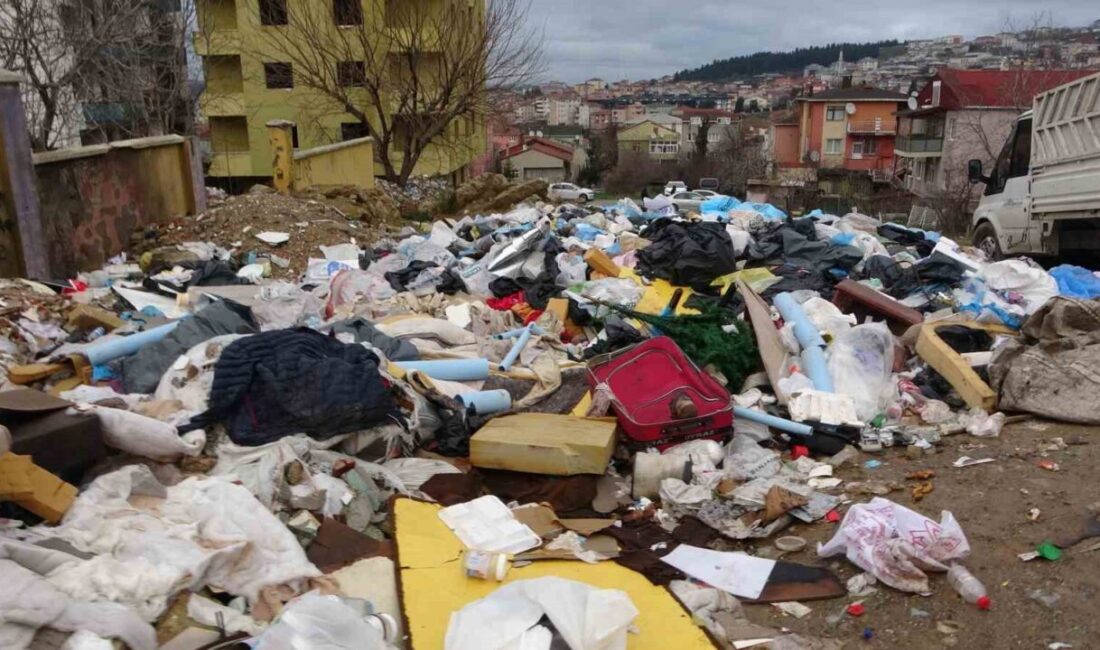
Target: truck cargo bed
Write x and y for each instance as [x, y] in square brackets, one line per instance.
[1065, 157]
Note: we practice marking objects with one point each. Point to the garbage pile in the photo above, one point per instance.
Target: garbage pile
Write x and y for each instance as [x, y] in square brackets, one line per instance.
[531, 426]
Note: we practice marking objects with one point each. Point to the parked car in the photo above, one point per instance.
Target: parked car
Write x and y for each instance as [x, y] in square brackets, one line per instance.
[570, 192]
[710, 184]
[706, 194]
[685, 201]
[673, 187]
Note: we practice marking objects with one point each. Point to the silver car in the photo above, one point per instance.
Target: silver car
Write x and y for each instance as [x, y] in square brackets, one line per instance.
[570, 192]
[688, 201]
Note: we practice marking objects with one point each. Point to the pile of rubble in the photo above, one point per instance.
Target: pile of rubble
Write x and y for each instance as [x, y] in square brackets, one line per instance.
[617, 410]
[422, 191]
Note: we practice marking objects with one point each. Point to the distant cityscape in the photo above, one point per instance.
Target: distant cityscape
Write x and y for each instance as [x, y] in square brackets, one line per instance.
[595, 103]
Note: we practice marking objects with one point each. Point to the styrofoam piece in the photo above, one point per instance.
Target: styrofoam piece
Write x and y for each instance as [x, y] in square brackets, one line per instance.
[826, 408]
[486, 524]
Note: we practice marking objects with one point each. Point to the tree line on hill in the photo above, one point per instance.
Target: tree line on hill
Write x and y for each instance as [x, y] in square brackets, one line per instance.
[781, 62]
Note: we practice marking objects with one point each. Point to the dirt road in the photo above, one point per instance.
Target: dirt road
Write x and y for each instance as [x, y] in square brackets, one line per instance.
[991, 503]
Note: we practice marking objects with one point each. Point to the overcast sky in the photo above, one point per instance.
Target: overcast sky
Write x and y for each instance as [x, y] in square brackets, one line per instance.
[643, 39]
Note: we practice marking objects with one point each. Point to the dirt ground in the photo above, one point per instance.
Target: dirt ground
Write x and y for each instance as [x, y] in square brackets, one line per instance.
[991, 503]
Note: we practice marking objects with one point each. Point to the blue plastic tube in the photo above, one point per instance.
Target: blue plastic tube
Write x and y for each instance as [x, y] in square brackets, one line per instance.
[517, 347]
[797, 428]
[813, 357]
[450, 369]
[486, 402]
[109, 350]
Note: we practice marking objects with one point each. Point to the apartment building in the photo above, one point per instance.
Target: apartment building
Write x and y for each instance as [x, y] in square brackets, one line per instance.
[247, 85]
[846, 128]
[960, 115]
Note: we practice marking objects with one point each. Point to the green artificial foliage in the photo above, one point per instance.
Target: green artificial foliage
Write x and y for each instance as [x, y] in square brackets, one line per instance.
[703, 339]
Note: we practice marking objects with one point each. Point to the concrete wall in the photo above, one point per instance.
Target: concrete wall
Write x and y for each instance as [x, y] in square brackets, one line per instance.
[785, 141]
[344, 163]
[92, 198]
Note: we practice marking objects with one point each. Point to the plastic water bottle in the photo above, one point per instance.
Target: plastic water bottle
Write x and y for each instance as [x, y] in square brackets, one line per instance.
[970, 588]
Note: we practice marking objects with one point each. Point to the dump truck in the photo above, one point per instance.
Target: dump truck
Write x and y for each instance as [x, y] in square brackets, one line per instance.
[1042, 196]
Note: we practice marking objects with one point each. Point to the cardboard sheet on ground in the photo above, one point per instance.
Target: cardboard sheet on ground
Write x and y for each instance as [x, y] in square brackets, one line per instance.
[432, 585]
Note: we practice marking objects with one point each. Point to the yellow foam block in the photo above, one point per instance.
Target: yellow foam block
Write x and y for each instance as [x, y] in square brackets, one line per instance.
[433, 585]
[51, 497]
[544, 443]
[15, 479]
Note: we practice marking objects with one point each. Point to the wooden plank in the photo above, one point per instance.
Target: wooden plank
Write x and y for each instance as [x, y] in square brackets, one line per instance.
[954, 367]
[32, 372]
[771, 347]
[598, 260]
[50, 496]
[544, 443]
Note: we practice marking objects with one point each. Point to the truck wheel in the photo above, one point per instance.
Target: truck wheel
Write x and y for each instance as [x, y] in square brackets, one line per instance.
[985, 240]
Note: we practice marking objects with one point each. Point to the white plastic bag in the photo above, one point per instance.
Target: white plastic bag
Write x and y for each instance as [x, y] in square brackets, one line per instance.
[316, 622]
[896, 544]
[983, 425]
[860, 362]
[587, 618]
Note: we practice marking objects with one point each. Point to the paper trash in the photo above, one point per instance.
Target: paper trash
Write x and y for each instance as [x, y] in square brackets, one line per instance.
[896, 544]
[486, 524]
[738, 573]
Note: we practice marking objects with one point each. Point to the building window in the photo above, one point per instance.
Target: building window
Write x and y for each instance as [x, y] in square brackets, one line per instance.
[351, 73]
[834, 146]
[273, 12]
[857, 148]
[664, 147]
[834, 113]
[347, 12]
[278, 75]
[353, 130]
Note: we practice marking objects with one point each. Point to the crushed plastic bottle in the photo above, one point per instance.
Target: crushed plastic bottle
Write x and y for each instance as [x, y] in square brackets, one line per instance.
[970, 588]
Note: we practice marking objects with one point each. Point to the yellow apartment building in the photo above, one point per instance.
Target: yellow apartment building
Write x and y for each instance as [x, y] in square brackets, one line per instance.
[249, 83]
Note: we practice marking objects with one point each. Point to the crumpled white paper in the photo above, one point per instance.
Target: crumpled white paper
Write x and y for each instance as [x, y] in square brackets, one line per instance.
[896, 544]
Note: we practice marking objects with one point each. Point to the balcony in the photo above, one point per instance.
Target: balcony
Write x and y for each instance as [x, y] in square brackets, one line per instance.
[877, 126]
[919, 146]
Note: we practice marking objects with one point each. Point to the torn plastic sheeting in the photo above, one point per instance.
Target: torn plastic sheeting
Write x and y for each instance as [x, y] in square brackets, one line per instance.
[203, 531]
[1031, 281]
[861, 362]
[587, 618]
[894, 543]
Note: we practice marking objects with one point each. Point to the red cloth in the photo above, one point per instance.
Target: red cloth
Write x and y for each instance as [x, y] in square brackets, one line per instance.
[507, 302]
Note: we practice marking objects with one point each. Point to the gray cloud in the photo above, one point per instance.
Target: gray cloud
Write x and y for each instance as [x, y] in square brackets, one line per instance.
[641, 39]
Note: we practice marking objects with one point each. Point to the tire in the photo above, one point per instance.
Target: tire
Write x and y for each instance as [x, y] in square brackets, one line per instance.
[985, 240]
[582, 199]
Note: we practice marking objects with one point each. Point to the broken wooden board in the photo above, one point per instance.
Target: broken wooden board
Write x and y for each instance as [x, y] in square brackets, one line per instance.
[544, 443]
[772, 351]
[954, 367]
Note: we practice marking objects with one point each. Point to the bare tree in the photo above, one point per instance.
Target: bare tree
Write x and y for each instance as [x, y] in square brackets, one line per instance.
[413, 73]
[119, 60]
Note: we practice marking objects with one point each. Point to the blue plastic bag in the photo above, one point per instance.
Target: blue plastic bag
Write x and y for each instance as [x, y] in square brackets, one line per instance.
[720, 204]
[1076, 282]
